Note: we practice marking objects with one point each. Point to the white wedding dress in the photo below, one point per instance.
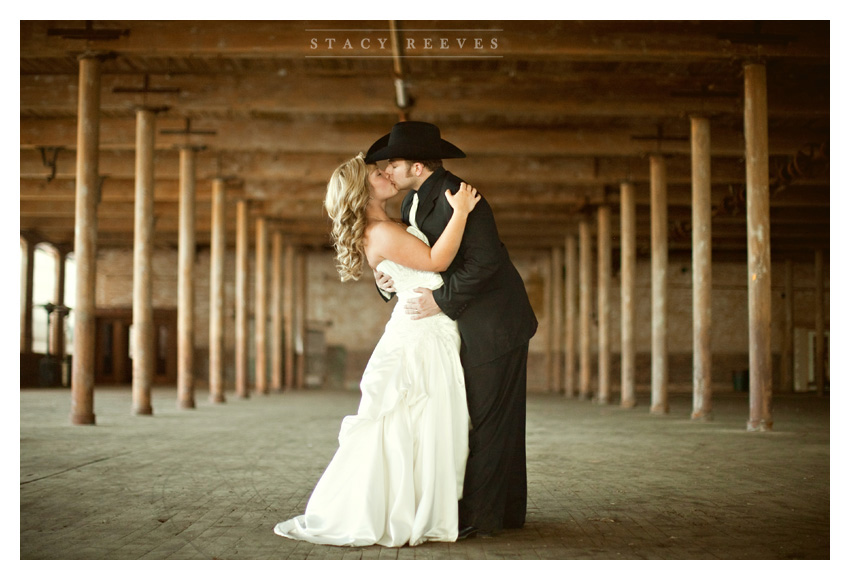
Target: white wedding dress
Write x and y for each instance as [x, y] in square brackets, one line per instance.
[398, 473]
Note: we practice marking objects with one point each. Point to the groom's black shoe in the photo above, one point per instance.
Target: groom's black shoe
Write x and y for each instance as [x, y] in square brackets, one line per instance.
[465, 532]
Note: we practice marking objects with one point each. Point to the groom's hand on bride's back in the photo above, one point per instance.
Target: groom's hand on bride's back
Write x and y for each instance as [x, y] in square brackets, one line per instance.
[423, 305]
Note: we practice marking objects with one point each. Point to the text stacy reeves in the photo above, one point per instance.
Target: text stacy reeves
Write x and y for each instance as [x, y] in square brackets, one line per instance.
[377, 43]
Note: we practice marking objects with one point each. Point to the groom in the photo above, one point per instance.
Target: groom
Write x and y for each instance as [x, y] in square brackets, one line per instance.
[485, 294]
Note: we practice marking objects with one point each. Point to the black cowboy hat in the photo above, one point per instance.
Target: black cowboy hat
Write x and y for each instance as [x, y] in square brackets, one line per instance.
[413, 140]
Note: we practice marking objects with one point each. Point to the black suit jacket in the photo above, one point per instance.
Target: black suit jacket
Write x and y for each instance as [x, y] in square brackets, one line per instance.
[482, 289]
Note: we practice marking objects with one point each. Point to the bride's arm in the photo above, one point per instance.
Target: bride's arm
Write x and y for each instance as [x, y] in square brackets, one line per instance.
[389, 241]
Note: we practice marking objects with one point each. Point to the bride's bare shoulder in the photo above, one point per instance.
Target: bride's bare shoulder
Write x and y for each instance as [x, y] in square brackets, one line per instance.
[379, 237]
[383, 229]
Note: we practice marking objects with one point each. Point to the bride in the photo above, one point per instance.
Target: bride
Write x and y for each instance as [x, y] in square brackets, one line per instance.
[398, 473]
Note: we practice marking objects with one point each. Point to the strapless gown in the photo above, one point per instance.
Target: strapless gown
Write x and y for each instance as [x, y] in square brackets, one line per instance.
[397, 475]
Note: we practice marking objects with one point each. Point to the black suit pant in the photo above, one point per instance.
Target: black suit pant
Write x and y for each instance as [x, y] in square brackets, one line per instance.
[495, 488]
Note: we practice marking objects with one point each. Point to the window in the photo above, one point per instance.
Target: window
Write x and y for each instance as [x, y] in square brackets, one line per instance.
[43, 292]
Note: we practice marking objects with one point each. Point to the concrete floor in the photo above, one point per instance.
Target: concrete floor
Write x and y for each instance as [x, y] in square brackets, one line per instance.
[605, 483]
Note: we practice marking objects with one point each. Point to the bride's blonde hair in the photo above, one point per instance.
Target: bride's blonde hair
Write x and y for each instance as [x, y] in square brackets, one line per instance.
[345, 202]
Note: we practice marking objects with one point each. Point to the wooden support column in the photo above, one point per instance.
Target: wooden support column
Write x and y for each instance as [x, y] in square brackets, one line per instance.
[658, 219]
[628, 259]
[557, 316]
[571, 311]
[242, 299]
[85, 240]
[27, 285]
[277, 313]
[603, 260]
[820, 325]
[57, 322]
[788, 330]
[217, 249]
[289, 316]
[186, 281]
[300, 319]
[547, 349]
[758, 246]
[585, 288]
[144, 346]
[701, 216]
[261, 301]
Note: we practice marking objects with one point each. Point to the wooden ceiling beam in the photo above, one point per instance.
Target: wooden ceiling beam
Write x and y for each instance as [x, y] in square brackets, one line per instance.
[785, 226]
[320, 137]
[498, 193]
[316, 168]
[234, 94]
[109, 209]
[797, 247]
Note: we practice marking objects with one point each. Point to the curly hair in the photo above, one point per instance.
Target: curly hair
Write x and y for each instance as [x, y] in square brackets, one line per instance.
[345, 202]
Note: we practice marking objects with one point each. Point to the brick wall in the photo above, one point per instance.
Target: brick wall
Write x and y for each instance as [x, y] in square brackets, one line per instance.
[355, 315]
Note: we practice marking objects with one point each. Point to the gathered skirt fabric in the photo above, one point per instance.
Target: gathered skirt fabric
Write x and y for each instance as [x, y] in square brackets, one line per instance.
[397, 475]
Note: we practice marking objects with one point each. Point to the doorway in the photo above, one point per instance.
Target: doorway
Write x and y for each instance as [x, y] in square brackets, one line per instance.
[114, 347]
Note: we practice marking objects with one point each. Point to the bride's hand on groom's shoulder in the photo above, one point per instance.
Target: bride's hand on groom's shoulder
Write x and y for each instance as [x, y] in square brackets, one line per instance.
[465, 199]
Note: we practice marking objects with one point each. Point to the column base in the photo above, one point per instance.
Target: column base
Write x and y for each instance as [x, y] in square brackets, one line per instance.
[760, 426]
[186, 404]
[83, 419]
[702, 416]
[628, 403]
[659, 410]
[143, 410]
[217, 398]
